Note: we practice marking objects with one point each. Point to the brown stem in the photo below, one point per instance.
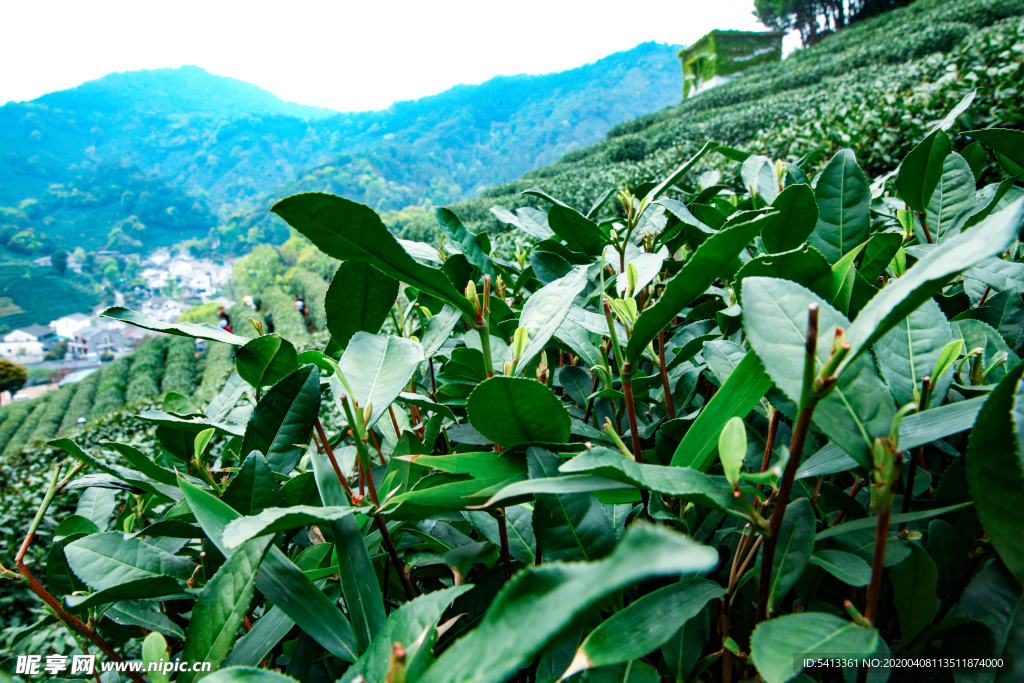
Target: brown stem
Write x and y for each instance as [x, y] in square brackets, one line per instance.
[924, 224]
[796, 447]
[769, 444]
[394, 422]
[854, 490]
[984, 297]
[389, 545]
[627, 389]
[590, 402]
[503, 535]
[44, 595]
[330, 456]
[376, 446]
[669, 407]
[433, 382]
[877, 564]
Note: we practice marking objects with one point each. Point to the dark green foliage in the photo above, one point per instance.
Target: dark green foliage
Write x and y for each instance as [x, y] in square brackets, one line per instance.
[281, 316]
[148, 363]
[12, 376]
[312, 288]
[180, 371]
[27, 428]
[14, 415]
[440, 148]
[111, 387]
[56, 407]
[81, 404]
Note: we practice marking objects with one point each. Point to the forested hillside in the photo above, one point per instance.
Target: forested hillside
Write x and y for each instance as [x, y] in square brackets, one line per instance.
[875, 87]
[184, 151]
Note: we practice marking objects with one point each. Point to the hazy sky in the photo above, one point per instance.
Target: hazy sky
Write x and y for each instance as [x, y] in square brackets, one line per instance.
[343, 54]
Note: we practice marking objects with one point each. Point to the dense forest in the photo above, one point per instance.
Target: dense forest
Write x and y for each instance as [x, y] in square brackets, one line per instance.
[196, 156]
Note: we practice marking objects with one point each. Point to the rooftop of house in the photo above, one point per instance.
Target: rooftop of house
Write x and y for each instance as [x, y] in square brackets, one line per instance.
[77, 317]
[36, 330]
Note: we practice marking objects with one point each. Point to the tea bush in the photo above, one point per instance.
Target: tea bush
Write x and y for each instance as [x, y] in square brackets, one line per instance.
[27, 427]
[56, 407]
[709, 432]
[312, 288]
[113, 381]
[147, 370]
[81, 403]
[180, 373]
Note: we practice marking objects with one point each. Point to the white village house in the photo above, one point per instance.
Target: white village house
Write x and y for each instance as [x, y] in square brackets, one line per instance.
[92, 342]
[162, 308]
[27, 344]
[66, 326]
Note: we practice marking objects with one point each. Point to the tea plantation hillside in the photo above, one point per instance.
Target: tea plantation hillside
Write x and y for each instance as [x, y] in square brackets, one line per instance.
[876, 88]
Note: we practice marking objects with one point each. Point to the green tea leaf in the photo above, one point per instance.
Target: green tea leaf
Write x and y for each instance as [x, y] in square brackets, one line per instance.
[545, 311]
[795, 221]
[545, 599]
[358, 299]
[253, 488]
[414, 627]
[995, 599]
[194, 330]
[793, 550]
[844, 207]
[272, 520]
[732, 449]
[281, 424]
[777, 644]
[921, 170]
[468, 242]
[860, 407]
[265, 360]
[914, 583]
[377, 368]
[347, 230]
[221, 607]
[911, 350]
[576, 230]
[515, 410]
[927, 277]
[108, 559]
[851, 569]
[700, 271]
[645, 625]
[568, 526]
[954, 193]
[995, 470]
[1009, 143]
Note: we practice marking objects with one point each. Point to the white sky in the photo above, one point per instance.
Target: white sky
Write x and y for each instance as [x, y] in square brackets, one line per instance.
[347, 55]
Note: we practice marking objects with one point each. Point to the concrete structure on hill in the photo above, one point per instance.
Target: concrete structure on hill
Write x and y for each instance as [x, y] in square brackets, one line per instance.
[66, 326]
[93, 342]
[27, 344]
[162, 308]
[721, 56]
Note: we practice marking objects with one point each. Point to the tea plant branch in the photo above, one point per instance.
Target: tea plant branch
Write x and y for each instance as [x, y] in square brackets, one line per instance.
[385, 536]
[52, 490]
[506, 559]
[908, 490]
[769, 443]
[326, 447]
[887, 461]
[670, 409]
[814, 388]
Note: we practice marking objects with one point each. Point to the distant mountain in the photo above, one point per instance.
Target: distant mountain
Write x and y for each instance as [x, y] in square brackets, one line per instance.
[184, 151]
[187, 90]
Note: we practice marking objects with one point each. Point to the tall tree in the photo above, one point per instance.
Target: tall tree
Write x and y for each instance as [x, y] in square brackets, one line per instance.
[12, 376]
[59, 260]
[815, 19]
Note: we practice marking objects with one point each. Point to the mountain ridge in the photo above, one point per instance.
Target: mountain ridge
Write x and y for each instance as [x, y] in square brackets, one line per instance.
[225, 162]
